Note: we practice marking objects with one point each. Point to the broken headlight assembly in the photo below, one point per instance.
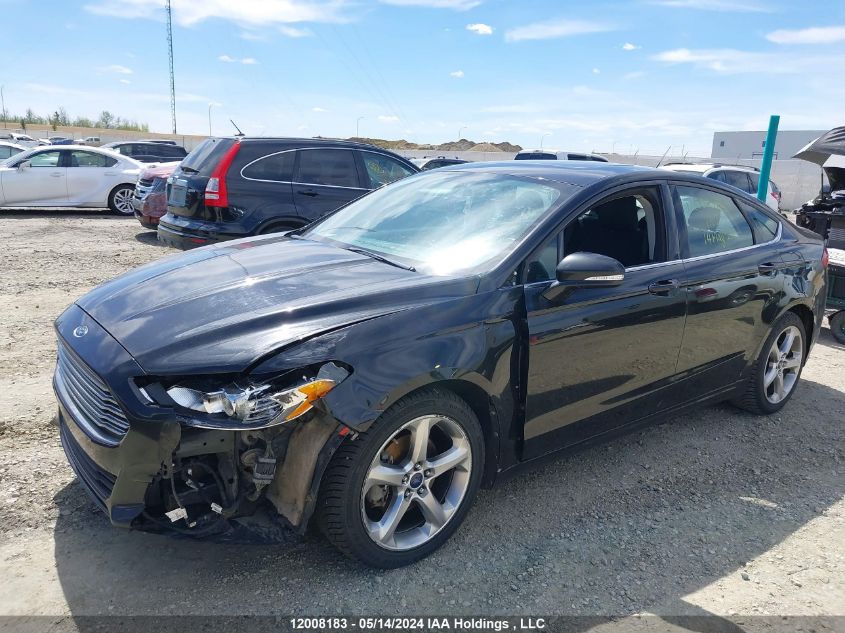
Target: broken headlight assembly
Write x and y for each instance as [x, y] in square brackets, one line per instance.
[245, 404]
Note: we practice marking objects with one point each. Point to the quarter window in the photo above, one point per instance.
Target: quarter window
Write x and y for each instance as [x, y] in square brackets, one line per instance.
[277, 167]
[764, 226]
[713, 221]
[383, 170]
[333, 167]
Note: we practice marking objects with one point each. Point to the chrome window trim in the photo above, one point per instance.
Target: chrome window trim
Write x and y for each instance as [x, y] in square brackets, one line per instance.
[311, 184]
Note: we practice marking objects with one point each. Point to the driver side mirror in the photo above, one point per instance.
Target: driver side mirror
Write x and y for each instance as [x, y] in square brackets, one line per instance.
[585, 270]
[24, 164]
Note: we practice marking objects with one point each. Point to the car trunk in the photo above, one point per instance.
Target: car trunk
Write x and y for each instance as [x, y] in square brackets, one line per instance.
[186, 187]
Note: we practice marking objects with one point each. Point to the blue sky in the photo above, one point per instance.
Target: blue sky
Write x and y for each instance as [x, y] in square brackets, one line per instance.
[598, 75]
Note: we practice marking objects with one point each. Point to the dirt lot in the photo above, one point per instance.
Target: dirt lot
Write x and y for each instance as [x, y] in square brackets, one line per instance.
[718, 512]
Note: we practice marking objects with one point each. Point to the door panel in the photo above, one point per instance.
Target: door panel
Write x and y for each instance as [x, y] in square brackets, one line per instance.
[729, 291]
[88, 177]
[42, 184]
[593, 360]
[324, 180]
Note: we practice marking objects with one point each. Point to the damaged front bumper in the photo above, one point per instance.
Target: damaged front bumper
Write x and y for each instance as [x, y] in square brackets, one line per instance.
[147, 471]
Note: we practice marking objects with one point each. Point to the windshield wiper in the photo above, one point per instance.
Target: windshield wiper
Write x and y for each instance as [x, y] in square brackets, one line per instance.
[379, 258]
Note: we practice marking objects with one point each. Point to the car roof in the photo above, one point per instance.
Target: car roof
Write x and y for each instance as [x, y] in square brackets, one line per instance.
[15, 145]
[582, 173]
[313, 142]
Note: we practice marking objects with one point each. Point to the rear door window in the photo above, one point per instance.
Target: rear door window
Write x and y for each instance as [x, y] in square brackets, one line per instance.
[578, 157]
[382, 170]
[90, 159]
[275, 167]
[738, 179]
[714, 223]
[535, 156]
[330, 167]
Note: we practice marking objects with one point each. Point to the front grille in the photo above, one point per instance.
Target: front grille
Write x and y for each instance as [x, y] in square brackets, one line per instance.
[98, 482]
[89, 400]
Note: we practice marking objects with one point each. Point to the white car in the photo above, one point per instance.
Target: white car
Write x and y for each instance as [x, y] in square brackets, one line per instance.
[553, 154]
[7, 150]
[68, 176]
[744, 178]
[24, 140]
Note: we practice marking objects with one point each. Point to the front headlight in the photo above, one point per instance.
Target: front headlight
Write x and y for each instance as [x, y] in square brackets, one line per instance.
[253, 406]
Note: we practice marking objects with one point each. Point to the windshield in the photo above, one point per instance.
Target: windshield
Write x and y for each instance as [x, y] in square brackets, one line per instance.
[443, 222]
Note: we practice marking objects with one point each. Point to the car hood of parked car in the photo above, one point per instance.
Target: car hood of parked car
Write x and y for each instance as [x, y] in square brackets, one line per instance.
[221, 308]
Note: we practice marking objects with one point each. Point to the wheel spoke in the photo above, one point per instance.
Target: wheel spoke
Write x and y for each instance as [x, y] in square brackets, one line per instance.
[770, 375]
[456, 456]
[779, 388]
[433, 511]
[384, 475]
[786, 346]
[420, 430]
[384, 529]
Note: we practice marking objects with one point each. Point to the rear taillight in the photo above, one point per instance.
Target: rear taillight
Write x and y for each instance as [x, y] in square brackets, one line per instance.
[216, 194]
[825, 258]
[776, 195]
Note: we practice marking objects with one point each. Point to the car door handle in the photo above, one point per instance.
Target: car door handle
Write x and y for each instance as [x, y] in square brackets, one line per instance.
[664, 287]
[56, 175]
[768, 268]
[310, 194]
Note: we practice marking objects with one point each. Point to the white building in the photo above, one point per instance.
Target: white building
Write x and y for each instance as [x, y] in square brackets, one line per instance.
[738, 145]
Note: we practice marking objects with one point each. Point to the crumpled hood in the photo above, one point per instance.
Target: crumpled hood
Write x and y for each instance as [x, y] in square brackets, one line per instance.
[219, 309]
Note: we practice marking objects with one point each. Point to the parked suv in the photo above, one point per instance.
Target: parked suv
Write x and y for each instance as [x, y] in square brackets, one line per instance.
[149, 151]
[744, 178]
[550, 154]
[234, 187]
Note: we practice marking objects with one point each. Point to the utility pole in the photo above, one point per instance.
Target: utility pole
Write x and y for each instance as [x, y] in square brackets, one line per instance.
[170, 60]
[461, 131]
[358, 127]
[3, 100]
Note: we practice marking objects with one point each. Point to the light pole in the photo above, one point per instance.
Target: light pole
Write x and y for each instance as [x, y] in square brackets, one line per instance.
[542, 138]
[3, 100]
[209, 117]
[358, 126]
[461, 131]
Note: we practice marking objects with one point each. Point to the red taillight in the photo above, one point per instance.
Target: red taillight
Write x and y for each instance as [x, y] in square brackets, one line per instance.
[216, 194]
[776, 195]
[825, 258]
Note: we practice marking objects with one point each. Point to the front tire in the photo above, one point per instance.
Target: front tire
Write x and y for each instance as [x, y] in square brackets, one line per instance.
[400, 490]
[837, 326]
[777, 369]
[120, 200]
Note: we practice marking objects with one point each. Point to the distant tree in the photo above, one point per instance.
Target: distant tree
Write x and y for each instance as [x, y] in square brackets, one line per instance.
[30, 116]
[23, 125]
[61, 116]
[106, 119]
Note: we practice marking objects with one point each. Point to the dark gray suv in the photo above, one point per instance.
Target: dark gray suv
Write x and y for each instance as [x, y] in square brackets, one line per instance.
[229, 188]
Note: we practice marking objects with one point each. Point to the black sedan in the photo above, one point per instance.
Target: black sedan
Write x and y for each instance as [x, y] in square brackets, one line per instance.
[372, 370]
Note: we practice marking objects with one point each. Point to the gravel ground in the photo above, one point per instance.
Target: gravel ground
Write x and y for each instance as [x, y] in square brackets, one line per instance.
[716, 512]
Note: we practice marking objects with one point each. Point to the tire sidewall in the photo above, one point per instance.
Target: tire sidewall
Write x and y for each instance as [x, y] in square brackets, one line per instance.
[837, 326]
[788, 319]
[359, 540]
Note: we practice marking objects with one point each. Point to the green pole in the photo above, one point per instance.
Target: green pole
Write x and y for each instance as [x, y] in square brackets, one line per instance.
[768, 153]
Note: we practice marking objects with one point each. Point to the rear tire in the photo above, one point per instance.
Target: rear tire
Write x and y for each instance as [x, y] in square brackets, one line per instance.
[120, 200]
[398, 491]
[777, 370]
[837, 326]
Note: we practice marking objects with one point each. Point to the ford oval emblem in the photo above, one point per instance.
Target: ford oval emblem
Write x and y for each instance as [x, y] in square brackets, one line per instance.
[80, 331]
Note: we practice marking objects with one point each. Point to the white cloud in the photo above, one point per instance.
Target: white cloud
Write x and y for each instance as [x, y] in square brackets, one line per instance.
[117, 68]
[292, 31]
[318, 109]
[731, 6]
[814, 35]
[125, 81]
[480, 29]
[456, 5]
[554, 29]
[596, 71]
[252, 12]
[635, 74]
[627, 46]
[388, 119]
[231, 60]
[250, 36]
[458, 74]
[734, 62]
